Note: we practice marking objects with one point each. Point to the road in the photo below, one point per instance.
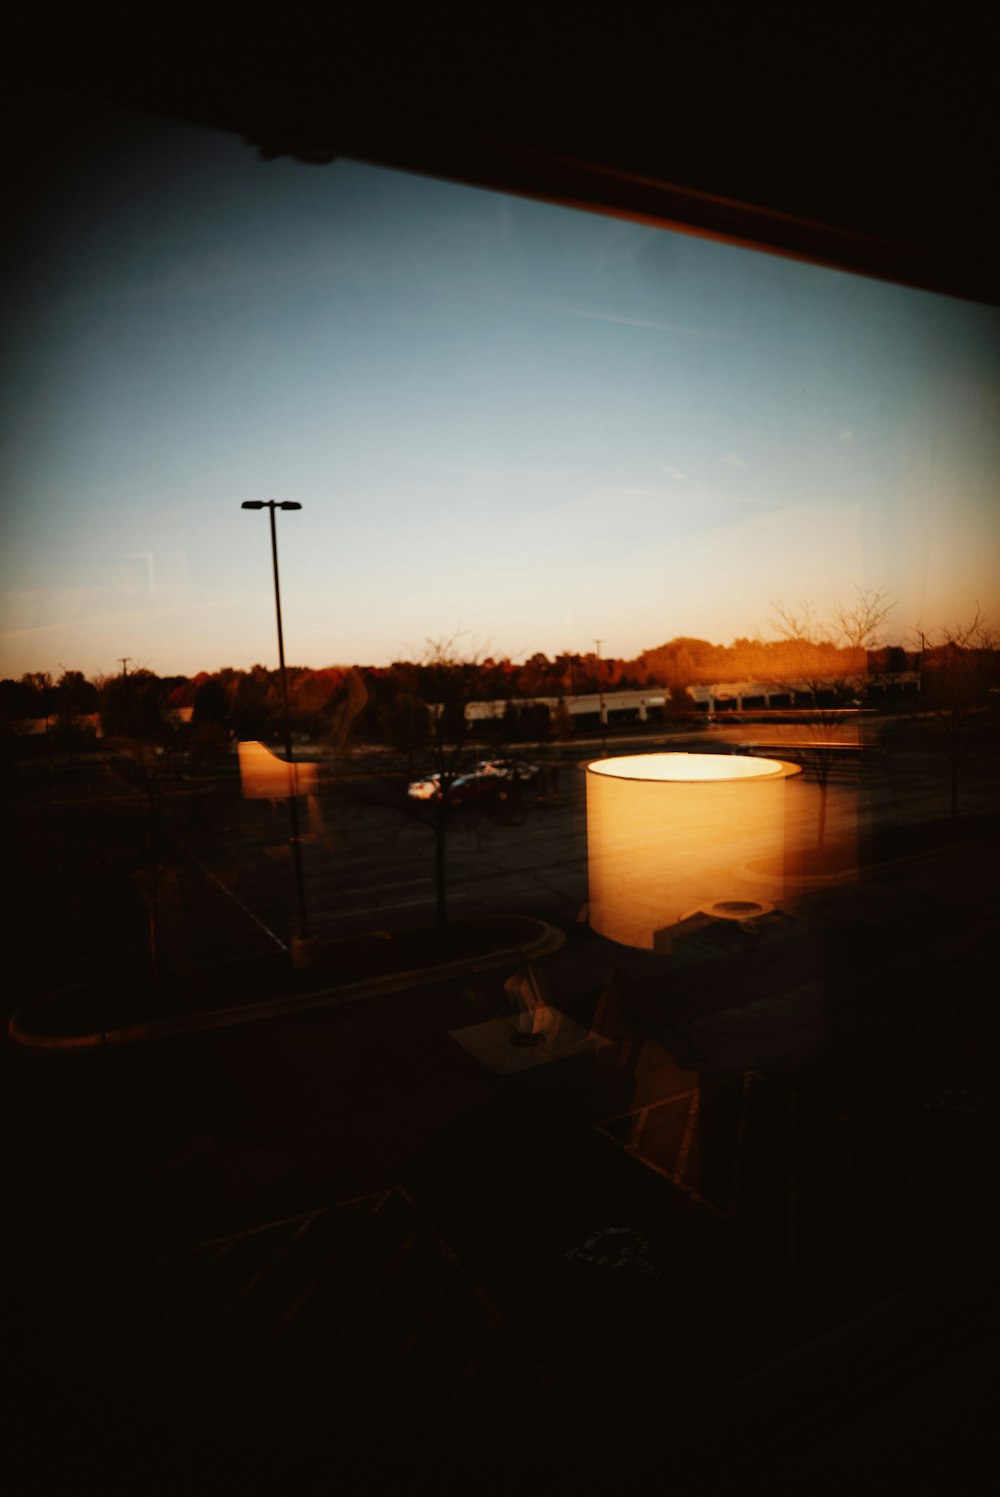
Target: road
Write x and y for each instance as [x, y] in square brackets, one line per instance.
[368, 857]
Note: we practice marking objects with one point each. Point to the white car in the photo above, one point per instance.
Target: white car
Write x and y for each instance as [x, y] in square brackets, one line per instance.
[425, 789]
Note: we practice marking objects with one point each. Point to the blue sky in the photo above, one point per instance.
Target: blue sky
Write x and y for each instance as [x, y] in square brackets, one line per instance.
[506, 420]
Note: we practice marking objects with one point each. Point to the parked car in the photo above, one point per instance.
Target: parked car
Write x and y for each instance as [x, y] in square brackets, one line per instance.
[517, 770]
[484, 784]
[495, 779]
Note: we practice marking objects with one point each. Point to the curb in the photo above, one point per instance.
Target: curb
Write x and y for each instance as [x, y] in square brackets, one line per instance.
[548, 940]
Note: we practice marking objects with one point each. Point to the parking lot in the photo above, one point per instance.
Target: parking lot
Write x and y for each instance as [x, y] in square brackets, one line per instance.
[726, 1179]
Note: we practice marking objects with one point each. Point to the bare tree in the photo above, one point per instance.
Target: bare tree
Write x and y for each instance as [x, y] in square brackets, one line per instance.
[860, 624]
[448, 681]
[830, 660]
[958, 671]
[833, 653]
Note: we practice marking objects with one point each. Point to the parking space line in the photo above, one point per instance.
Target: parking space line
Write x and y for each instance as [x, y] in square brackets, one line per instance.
[355, 1318]
[230, 895]
[638, 1127]
[249, 1285]
[680, 1164]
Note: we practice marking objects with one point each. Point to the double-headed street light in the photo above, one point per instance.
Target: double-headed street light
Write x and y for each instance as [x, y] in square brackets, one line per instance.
[293, 809]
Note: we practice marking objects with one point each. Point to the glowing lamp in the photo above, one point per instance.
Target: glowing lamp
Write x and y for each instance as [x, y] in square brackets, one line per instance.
[671, 834]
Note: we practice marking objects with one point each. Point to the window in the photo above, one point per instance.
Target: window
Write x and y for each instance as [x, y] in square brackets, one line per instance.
[402, 1150]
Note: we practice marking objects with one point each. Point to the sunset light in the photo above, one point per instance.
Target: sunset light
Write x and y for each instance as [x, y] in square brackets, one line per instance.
[500, 752]
[503, 418]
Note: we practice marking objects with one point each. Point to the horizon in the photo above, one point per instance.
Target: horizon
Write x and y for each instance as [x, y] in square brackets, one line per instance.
[508, 423]
[821, 644]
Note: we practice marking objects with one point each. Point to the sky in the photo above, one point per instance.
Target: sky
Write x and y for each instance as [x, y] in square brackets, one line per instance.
[510, 424]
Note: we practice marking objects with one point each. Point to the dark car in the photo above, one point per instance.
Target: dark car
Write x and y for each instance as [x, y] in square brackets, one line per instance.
[482, 785]
[514, 771]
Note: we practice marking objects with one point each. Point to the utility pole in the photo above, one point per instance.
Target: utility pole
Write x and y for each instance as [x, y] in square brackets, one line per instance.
[127, 696]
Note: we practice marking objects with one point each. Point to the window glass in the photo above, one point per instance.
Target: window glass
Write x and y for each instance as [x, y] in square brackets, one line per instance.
[430, 1099]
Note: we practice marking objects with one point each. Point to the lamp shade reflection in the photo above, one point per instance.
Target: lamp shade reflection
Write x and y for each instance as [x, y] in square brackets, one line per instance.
[263, 776]
[669, 834]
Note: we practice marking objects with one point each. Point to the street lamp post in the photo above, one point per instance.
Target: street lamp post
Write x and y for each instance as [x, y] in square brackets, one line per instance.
[299, 947]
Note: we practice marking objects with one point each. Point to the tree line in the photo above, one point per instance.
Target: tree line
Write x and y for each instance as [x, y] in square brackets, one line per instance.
[247, 703]
[957, 667]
